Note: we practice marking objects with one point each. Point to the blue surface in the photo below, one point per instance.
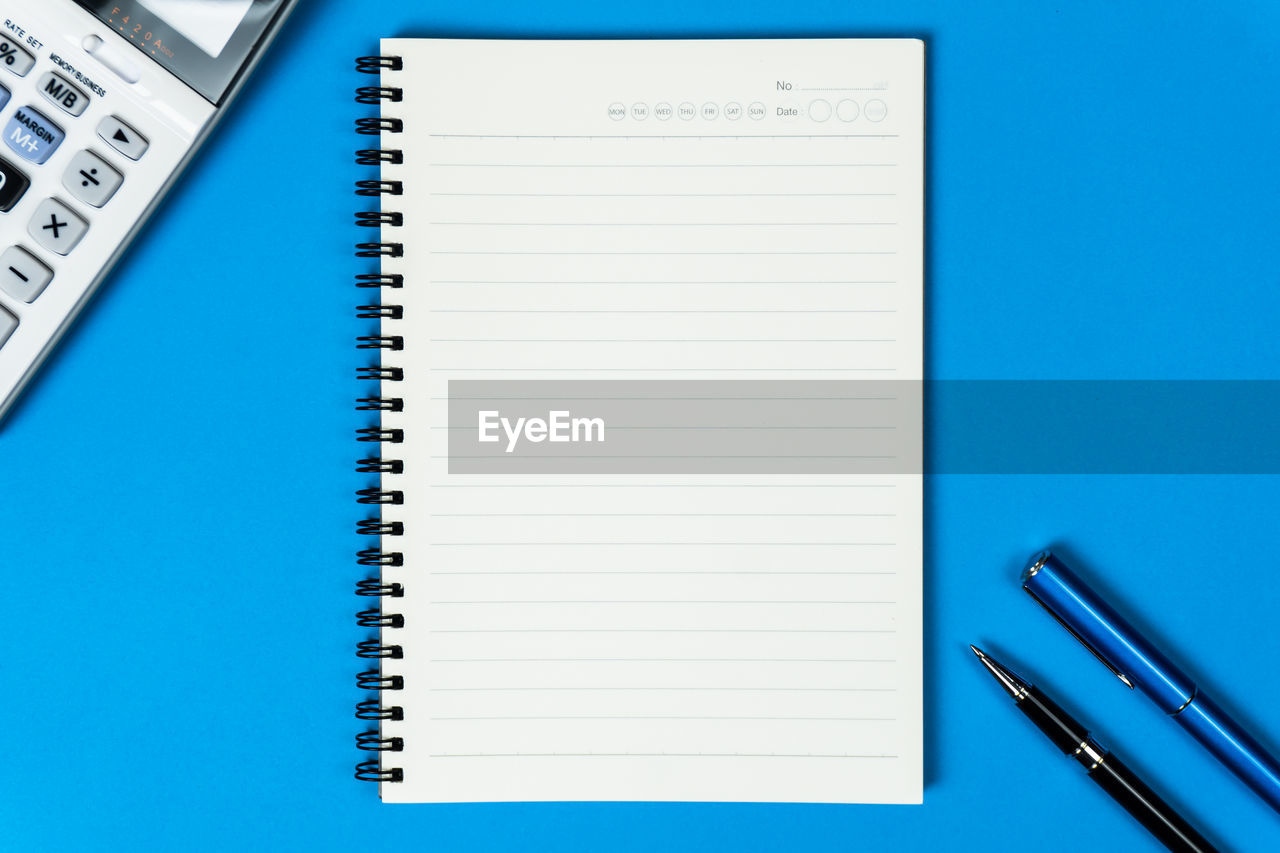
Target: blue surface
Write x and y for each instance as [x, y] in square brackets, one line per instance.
[177, 625]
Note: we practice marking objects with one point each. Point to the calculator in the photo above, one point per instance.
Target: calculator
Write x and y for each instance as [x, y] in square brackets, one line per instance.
[102, 104]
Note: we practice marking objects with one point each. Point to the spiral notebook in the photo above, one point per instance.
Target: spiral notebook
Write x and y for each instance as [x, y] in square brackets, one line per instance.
[643, 420]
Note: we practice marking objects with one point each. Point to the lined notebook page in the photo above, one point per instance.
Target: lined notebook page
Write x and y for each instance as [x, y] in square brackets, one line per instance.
[642, 217]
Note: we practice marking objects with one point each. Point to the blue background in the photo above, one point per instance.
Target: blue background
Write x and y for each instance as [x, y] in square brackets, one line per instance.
[177, 519]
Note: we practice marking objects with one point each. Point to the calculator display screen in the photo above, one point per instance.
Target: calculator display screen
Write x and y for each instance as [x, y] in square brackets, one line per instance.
[205, 43]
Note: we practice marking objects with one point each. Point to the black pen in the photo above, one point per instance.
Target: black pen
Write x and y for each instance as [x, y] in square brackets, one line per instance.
[1112, 776]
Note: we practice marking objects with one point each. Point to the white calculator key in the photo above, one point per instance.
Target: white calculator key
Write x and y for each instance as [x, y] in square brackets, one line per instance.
[90, 179]
[15, 58]
[123, 138]
[55, 227]
[62, 92]
[8, 323]
[21, 275]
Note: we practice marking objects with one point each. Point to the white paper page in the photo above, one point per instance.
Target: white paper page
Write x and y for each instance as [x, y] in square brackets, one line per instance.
[655, 635]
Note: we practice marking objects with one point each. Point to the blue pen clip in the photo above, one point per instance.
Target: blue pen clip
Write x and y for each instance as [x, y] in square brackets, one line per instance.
[1106, 633]
[1033, 568]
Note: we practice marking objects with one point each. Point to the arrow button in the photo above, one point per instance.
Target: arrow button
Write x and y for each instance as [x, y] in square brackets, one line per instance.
[122, 137]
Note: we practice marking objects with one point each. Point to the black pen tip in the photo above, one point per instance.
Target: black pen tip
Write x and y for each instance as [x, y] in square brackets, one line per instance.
[1013, 685]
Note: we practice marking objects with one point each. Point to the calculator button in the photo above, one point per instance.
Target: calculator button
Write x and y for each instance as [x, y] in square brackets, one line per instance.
[60, 90]
[123, 138]
[8, 323]
[90, 179]
[33, 136]
[21, 275]
[55, 227]
[15, 58]
[4, 96]
[13, 185]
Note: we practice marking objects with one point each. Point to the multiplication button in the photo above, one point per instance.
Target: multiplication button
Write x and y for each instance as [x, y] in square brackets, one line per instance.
[90, 179]
[21, 275]
[55, 227]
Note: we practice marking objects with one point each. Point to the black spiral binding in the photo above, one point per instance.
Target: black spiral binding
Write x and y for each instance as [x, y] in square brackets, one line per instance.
[375, 648]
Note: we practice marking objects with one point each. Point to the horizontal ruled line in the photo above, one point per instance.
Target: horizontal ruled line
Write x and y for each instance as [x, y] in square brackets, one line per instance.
[661, 572]
[485, 223]
[662, 660]
[788, 428]
[665, 195]
[644, 137]
[662, 515]
[662, 165]
[661, 631]
[662, 341]
[681, 544]
[669, 717]
[661, 485]
[652, 252]
[459, 456]
[681, 689]
[650, 755]
[769, 601]
[665, 311]
[698, 397]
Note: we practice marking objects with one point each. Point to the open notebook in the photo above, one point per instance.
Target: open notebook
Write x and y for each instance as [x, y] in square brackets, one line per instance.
[651, 479]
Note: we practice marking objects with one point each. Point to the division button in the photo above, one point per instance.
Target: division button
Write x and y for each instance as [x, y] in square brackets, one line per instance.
[819, 110]
[875, 110]
[21, 275]
[32, 136]
[55, 227]
[15, 58]
[60, 91]
[847, 110]
[13, 185]
[123, 138]
[90, 179]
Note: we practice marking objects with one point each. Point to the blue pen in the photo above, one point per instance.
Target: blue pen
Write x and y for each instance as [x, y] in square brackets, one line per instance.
[1139, 664]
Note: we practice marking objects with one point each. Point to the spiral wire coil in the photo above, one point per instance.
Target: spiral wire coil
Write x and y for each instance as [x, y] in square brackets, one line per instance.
[376, 708]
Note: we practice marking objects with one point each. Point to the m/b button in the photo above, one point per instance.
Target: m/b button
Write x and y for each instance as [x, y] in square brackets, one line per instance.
[58, 89]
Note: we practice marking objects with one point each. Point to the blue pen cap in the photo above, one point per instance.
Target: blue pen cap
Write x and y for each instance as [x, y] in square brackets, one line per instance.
[1106, 633]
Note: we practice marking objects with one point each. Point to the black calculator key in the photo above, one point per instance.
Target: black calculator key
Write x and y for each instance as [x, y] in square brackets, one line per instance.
[13, 185]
